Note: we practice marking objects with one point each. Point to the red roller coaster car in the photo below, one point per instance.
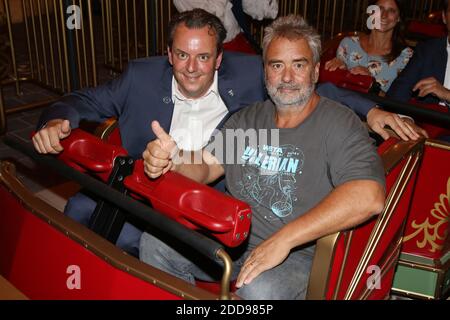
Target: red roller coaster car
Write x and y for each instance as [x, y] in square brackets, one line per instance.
[46, 255]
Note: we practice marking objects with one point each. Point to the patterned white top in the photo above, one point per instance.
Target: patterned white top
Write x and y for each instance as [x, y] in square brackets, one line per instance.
[351, 52]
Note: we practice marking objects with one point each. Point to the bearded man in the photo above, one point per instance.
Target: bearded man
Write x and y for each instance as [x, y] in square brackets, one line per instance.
[314, 172]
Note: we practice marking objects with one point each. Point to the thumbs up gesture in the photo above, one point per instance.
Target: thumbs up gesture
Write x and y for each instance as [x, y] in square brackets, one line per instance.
[159, 153]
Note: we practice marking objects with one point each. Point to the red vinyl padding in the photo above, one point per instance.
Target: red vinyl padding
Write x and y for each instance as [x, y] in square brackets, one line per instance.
[347, 80]
[195, 205]
[87, 153]
[342, 78]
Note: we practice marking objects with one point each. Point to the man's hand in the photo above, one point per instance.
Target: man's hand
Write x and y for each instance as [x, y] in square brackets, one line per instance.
[334, 64]
[47, 139]
[377, 119]
[266, 256]
[159, 152]
[432, 86]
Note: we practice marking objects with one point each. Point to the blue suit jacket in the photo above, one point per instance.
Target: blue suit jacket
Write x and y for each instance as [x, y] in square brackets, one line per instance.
[429, 60]
[144, 93]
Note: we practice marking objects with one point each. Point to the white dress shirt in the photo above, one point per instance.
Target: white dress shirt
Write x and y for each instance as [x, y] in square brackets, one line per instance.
[194, 120]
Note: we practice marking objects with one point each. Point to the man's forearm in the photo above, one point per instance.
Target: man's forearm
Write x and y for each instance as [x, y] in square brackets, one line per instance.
[346, 206]
[59, 110]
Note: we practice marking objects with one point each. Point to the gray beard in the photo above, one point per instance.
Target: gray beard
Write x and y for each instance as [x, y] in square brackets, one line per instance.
[299, 99]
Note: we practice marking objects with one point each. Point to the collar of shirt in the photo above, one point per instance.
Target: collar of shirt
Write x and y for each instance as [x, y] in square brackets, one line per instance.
[176, 93]
[194, 120]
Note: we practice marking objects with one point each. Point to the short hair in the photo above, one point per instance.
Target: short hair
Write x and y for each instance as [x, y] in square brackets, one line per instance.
[197, 19]
[293, 27]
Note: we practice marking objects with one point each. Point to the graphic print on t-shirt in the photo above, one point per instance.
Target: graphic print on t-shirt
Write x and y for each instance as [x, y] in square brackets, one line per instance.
[270, 176]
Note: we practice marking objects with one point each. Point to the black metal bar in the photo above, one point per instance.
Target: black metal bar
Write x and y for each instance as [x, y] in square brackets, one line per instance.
[199, 242]
[418, 113]
[107, 219]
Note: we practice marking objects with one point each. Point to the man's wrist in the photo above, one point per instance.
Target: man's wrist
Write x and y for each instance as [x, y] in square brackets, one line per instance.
[373, 109]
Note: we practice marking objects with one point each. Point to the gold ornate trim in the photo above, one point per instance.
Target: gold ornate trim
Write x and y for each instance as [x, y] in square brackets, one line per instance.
[9, 292]
[411, 294]
[106, 128]
[397, 152]
[325, 247]
[383, 219]
[387, 265]
[430, 231]
[227, 272]
[438, 144]
[438, 269]
[348, 238]
[321, 266]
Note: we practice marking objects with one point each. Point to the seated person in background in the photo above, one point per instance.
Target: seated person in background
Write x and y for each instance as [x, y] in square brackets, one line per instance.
[196, 83]
[427, 76]
[317, 172]
[220, 8]
[232, 14]
[382, 53]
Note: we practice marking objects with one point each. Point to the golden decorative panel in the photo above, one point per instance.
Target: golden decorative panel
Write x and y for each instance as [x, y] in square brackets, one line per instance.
[430, 231]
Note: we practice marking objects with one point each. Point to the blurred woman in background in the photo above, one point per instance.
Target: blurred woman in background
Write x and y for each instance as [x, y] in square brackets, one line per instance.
[382, 53]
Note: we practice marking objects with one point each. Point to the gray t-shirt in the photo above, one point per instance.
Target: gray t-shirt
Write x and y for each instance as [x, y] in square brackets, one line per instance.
[282, 181]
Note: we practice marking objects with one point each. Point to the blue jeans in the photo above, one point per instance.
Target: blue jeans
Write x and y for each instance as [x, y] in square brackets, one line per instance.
[287, 281]
[81, 207]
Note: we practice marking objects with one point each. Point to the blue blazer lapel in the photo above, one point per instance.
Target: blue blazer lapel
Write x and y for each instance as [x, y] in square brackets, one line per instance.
[165, 104]
[166, 82]
[227, 91]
